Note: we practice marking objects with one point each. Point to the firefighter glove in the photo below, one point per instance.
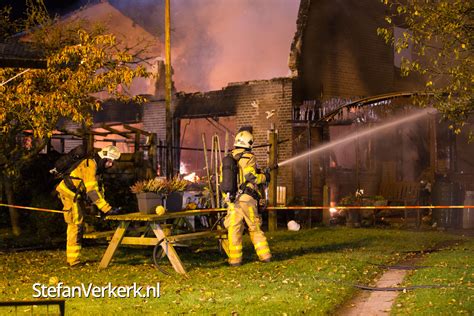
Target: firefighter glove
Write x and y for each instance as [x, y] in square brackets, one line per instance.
[266, 172]
[114, 211]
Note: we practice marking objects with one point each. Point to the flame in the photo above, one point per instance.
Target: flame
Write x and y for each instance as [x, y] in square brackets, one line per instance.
[333, 210]
[192, 177]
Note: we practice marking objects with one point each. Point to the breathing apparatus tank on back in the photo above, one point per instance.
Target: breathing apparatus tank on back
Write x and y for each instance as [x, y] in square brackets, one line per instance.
[230, 170]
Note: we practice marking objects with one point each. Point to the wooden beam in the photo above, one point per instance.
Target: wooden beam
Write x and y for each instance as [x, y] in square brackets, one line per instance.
[272, 187]
[139, 241]
[136, 130]
[71, 133]
[115, 131]
[114, 244]
[154, 217]
[196, 235]
[150, 241]
[99, 235]
[168, 249]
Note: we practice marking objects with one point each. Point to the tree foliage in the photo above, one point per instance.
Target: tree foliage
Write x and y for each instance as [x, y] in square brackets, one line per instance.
[439, 33]
[81, 60]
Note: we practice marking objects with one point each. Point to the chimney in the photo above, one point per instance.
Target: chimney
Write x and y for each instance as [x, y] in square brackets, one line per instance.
[159, 70]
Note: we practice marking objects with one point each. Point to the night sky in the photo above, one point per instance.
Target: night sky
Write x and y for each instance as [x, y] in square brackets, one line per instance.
[53, 6]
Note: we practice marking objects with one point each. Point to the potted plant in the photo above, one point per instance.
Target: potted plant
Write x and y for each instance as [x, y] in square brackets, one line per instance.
[158, 191]
[174, 198]
[150, 193]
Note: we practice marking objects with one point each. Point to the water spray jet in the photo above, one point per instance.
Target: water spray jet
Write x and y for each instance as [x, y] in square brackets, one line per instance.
[354, 136]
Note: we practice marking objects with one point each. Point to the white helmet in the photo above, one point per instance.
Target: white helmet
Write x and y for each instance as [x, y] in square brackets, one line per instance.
[293, 226]
[244, 139]
[109, 152]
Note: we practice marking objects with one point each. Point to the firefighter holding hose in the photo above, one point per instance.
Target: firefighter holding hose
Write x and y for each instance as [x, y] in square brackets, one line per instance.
[78, 186]
[240, 180]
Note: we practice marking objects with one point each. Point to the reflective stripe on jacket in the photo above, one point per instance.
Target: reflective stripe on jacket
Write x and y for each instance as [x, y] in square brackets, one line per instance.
[248, 168]
[85, 172]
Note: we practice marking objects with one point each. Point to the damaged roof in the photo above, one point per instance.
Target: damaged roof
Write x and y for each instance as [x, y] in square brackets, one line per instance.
[208, 104]
[297, 43]
[20, 55]
[119, 111]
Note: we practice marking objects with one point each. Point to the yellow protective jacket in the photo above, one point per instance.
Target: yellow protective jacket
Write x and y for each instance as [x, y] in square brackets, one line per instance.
[248, 169]
[84, 178]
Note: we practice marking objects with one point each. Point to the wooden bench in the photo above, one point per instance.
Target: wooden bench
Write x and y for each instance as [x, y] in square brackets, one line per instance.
[100, 235]
[162, 237]
[400, 192]
[107, 235]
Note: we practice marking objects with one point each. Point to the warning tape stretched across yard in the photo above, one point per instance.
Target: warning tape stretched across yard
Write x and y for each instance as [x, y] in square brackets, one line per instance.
[32, 208]
[278, 208]
[385, 207]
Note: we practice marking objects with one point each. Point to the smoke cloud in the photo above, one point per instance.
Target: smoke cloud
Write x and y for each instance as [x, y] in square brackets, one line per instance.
[214, 42]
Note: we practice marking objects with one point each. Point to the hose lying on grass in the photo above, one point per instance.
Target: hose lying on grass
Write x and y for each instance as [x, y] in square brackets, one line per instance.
[372, 288]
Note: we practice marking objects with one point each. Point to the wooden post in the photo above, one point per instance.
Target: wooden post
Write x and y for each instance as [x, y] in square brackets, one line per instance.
[272, 188]
[168, 248]
[215, 155]
[137, 163]
[310, 175]
[208, 172]
[169, 124]
[160, 158]
[89, 140]
[326, 202]
[433, 145]
[114, 244]
[152, 155]
[326, 190]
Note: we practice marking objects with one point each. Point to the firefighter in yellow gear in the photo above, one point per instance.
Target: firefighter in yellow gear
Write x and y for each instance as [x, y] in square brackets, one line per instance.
[245, 207]
[79, 184]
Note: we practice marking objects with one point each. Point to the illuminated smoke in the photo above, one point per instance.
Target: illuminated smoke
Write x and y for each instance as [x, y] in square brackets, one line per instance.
[215, 42]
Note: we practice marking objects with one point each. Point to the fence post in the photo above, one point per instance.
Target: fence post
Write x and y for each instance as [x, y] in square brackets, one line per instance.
[272, 187]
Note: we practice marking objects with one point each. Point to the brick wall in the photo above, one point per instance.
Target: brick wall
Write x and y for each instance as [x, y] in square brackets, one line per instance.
[154, 118]
[341, 53]
[266, 96]
[271, 95]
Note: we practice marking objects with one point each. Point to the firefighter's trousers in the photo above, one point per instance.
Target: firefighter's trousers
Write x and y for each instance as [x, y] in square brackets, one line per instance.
[245, 208]
[74, 219]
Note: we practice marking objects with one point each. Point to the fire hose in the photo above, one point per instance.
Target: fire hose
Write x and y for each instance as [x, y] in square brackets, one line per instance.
[384, 289]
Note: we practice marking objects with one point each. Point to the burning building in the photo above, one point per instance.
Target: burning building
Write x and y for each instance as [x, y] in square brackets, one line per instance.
[335, 59]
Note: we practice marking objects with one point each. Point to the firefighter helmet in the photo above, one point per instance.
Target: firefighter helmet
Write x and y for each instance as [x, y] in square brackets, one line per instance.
[244, 139]
[109, 152]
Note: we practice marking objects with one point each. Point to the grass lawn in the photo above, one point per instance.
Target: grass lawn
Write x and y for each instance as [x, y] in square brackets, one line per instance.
[312, 272]
[453, 267]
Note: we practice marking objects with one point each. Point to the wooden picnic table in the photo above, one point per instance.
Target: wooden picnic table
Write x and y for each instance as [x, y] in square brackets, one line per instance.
[154, 222]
